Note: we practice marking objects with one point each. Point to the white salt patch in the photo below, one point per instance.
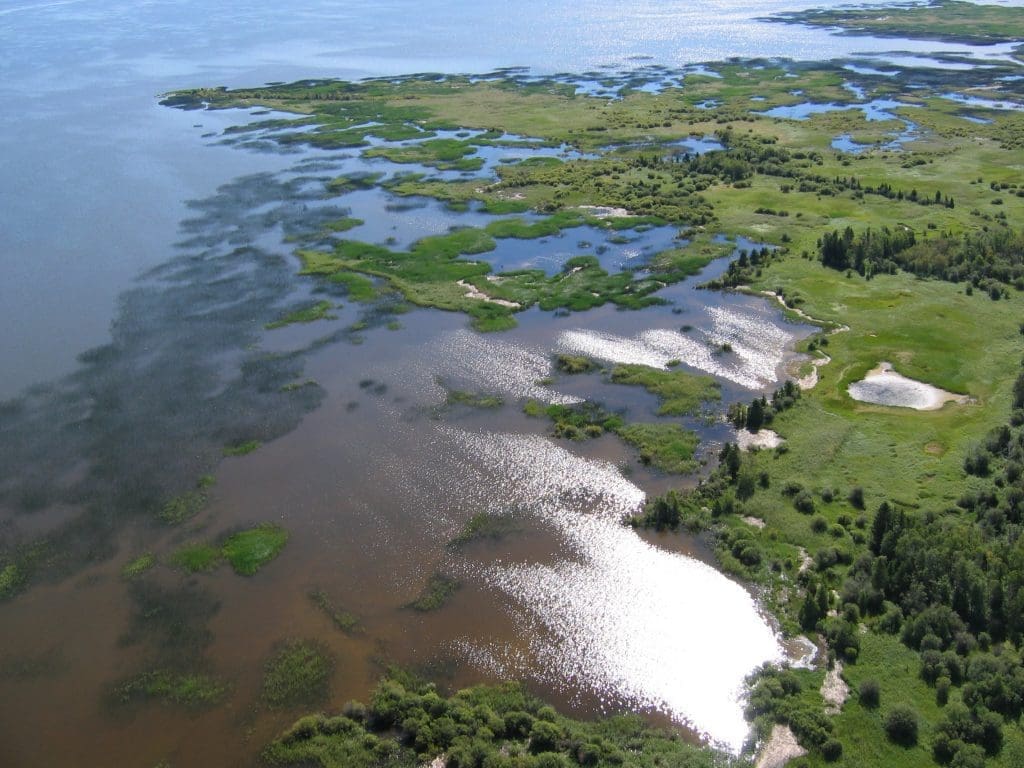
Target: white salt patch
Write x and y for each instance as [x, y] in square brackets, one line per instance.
[883, 386]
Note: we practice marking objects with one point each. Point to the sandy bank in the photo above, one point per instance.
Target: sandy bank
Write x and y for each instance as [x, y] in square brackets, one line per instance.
[473, 293]
[883, 386]
[780, 748]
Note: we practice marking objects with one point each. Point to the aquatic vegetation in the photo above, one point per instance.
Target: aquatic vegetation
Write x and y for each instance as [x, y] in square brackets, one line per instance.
[190, 690]
[576, 422]
[319, 311]
[182, 507]
[573, 364]
[408, 723]
[11, 579]
[196, 558]
[360, 288]
[138, 566]
[171, 622]
[680, 393]
[344, 620]
[247, 446]
[298, 674]
[248, 551]
[454, 397]
[438, 590]
[484, 527]
[668, 447]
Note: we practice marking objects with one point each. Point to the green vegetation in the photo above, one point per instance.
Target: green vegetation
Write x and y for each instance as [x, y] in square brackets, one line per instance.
[241, 449]
[184, 506]
[319, 311]
[135, 568]
[680, 393]
[197, 558]
[948, 20]
[360, 288]
[246, 551]
[193, 691]
[250, 550]
[298, 674]
[573, 364]
[484, 527]
[11, 579]
[668, 447]
[344, 620]
[408, 723]
[889, 534]
[471, 399]
[576, 422]
[438, 590]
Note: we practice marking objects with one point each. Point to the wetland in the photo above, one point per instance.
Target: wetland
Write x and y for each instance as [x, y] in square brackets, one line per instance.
[432, 401]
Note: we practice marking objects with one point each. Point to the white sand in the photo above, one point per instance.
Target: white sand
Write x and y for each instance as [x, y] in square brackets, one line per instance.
[780, 748]
[883, 386]
[473, 293]
[764, 438]
[604, 211]
[834, 689]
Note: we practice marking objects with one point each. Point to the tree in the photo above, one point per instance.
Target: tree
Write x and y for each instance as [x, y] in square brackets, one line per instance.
[901, 725]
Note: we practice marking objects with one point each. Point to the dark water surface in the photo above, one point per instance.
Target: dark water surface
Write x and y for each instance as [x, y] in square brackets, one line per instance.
[142, 256]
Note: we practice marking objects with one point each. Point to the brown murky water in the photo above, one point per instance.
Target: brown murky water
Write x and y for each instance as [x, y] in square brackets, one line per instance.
[372, 486]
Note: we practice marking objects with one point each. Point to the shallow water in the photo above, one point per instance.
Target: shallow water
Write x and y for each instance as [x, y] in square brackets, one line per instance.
[155, 241]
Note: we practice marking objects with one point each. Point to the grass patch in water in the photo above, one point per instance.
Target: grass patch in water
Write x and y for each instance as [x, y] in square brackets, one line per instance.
[298, 674]
[443, 154]
[668, 447]
[455, 397]
[182, 507]
[680, 393]
[439, 590]
[483, 526]
[11, 580]
[243, 448]
[189, 690]
[344, 620]
[573, 364]
[360, 288]
[319, 311]
[343, 224]
[250, 550]
[138, 566]
[196, 558]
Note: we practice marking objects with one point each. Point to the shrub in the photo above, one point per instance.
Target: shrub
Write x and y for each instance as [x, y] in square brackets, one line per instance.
[831, 750]
[856, 497]
[870, 693]
[901, 725]
[804, 503]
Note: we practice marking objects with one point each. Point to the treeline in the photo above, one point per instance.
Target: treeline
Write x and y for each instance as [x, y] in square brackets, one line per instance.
[761, 411]
[987, 260]
[408, 724]
[868, 252]
[952, 586]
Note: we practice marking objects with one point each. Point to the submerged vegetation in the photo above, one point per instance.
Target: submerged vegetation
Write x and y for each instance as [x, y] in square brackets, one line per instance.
[892, 537]
[297, 675]
[438, 590]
